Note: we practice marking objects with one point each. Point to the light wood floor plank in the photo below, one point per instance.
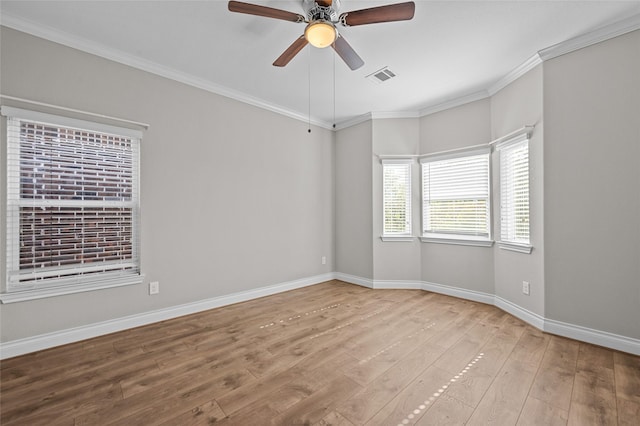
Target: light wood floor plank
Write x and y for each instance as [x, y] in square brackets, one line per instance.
[505, 397]
[252, 415]
[319, 404]
[204, 414]
[264, 388]
[627, 385]
[367, 402]
[554, 382]
[627, 376]
[328, 354]
[628, 412]
[370, 367]
[536, 412]
[447, 410]
[334, 419]
[420, 395]
[594, 399]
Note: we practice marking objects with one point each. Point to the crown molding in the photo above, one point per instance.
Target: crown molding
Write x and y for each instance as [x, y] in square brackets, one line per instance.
[376, 115]
[515, 74]
[354, 121]
[455, 102]
[381, 115]
[443, 106]
[601, 34]
[102, 51]
[604, 33]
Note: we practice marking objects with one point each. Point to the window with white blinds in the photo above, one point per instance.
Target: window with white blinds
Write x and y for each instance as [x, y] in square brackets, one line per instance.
[72, 203]
[396, 194]
[455, 195]
[514, 191]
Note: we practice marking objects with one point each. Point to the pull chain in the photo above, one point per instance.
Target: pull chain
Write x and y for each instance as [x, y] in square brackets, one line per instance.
[334, 89]
[309, 56]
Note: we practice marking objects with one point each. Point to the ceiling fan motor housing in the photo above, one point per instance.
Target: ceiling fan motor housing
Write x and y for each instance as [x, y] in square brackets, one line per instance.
[317, 12]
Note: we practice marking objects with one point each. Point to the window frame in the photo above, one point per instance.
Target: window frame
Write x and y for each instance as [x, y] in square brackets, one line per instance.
[458, 238]
[514, 141]
[407, 235]
[15, 290]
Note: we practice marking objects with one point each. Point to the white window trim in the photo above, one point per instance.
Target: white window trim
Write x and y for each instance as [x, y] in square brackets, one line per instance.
[71, 286]
[44, 292]
[517, 247]
[460, 239]
[456, 153]
[513, 141]
[399, 237]
[42, 117]
[512, 137]
[518, 136]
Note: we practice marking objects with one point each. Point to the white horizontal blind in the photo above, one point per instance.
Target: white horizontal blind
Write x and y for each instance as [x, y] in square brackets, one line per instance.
[396, 177]
[72, 205]
[514, 192]
[455, 195]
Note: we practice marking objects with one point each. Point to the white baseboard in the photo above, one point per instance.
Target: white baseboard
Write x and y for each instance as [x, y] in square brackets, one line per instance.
[589, 335]
[352, 279]
[63, 337]
[596, 337]
[462, 293]
[519, 312]
[397, 284]
[49, 340]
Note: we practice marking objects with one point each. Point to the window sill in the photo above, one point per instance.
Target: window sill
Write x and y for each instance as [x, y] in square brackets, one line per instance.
[460, 240]
[517, 247]
[41, 293]
[398, 238]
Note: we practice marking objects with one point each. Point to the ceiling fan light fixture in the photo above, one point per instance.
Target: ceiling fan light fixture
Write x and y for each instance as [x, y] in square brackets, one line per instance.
[321, 33]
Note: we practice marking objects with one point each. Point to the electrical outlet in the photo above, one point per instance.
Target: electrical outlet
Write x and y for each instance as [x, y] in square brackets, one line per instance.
[154, 287]
[525, 287]
[324, 260]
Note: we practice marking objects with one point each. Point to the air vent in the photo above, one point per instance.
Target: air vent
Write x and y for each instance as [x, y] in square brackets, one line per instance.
[380, 76]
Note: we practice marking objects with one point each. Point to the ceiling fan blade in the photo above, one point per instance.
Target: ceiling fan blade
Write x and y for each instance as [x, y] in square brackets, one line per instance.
[291, 51]
[324, 3]
[268, 12]
[346, 52]
[374, 15]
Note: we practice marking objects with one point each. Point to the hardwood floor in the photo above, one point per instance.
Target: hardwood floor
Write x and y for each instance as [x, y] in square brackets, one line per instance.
[329, 354]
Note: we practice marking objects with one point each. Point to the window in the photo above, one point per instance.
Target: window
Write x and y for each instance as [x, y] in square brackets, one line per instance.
[396, 184]
[455, 198]
[514, 194]
[72, 205]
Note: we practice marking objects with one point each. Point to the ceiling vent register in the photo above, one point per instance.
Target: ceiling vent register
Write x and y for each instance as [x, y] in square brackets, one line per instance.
[380, 76]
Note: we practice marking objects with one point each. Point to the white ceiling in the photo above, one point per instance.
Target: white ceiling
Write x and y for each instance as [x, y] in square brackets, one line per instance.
[451, 49]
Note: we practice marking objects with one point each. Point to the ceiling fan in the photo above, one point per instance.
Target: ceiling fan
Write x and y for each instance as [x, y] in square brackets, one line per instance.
[321, 19]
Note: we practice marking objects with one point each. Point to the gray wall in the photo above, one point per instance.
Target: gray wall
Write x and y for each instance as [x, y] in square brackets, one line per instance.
[592, 186]
[354, 222]
[584, 269]
[519, 104]
[469, 268]
[397, 260]
[233, 197]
